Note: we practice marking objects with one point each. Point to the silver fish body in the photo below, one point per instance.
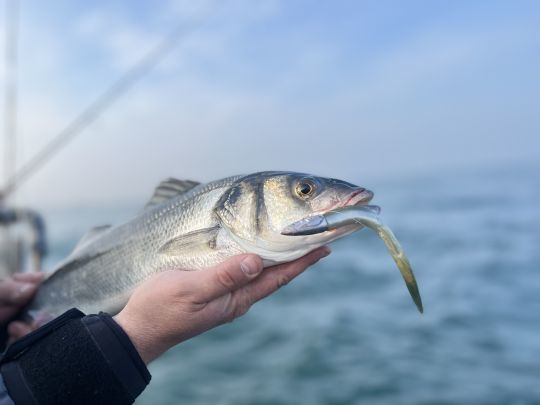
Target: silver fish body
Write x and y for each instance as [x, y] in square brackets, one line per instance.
[188, 226]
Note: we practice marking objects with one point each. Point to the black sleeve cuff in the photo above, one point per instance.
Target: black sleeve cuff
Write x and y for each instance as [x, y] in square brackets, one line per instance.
[80, 360]
[119, 352]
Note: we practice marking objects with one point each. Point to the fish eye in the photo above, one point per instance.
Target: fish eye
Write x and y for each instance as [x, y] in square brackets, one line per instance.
[305, 188]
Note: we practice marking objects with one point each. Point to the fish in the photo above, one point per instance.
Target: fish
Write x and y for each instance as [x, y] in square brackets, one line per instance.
[190, 226]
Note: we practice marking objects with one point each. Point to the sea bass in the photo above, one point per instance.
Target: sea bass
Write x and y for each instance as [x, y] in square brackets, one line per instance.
[191, 226]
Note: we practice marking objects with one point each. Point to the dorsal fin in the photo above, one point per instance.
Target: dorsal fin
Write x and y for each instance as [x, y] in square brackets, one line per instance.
[90, 235]
[170, 188]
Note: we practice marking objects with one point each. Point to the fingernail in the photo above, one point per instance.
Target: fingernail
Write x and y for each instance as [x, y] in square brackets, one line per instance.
[250, 266]
[325, 251]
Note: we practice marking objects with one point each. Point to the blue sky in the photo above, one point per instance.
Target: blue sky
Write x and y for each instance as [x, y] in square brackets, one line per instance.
[360, 90]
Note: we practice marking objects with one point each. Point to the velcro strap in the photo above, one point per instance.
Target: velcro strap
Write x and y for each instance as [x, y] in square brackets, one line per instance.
[21, 345]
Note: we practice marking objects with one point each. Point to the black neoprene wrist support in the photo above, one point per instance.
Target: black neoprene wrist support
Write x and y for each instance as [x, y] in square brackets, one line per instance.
[75, 359]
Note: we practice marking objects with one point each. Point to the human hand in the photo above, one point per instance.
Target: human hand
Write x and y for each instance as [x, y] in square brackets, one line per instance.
[15, 293]
[174, 306]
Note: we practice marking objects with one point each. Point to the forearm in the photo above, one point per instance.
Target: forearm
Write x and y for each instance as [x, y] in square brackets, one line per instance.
[75, 359]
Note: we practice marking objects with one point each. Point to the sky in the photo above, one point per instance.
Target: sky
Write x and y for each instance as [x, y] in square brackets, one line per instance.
[358, 90]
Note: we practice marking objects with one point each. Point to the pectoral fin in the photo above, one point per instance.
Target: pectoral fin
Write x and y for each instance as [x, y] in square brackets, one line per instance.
[199, 239]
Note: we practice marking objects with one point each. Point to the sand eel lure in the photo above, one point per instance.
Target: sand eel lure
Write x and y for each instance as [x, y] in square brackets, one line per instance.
[367, 215]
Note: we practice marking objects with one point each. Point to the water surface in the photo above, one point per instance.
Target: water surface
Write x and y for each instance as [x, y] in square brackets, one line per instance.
[346, 332]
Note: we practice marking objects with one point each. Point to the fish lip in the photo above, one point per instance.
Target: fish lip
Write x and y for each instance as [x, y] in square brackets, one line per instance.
[361, 196]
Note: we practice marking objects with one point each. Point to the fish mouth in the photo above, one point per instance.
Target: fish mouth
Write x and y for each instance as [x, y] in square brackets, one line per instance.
[360, 196]
[314, 223]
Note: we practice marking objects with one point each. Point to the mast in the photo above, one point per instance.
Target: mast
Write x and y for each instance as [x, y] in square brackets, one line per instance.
[11, 91]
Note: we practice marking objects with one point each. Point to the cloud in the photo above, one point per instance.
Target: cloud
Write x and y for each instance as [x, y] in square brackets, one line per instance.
[263, 86]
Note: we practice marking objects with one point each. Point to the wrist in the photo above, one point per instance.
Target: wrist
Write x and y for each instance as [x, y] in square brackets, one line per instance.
[140, 336]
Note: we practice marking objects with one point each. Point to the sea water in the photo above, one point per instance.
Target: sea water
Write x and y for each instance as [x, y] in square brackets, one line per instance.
[347, 332]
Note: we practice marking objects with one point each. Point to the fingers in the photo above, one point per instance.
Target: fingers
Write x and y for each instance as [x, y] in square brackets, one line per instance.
[16, 293]
[275, 277]
[30, 277]
[18, 329]
[226, 277]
